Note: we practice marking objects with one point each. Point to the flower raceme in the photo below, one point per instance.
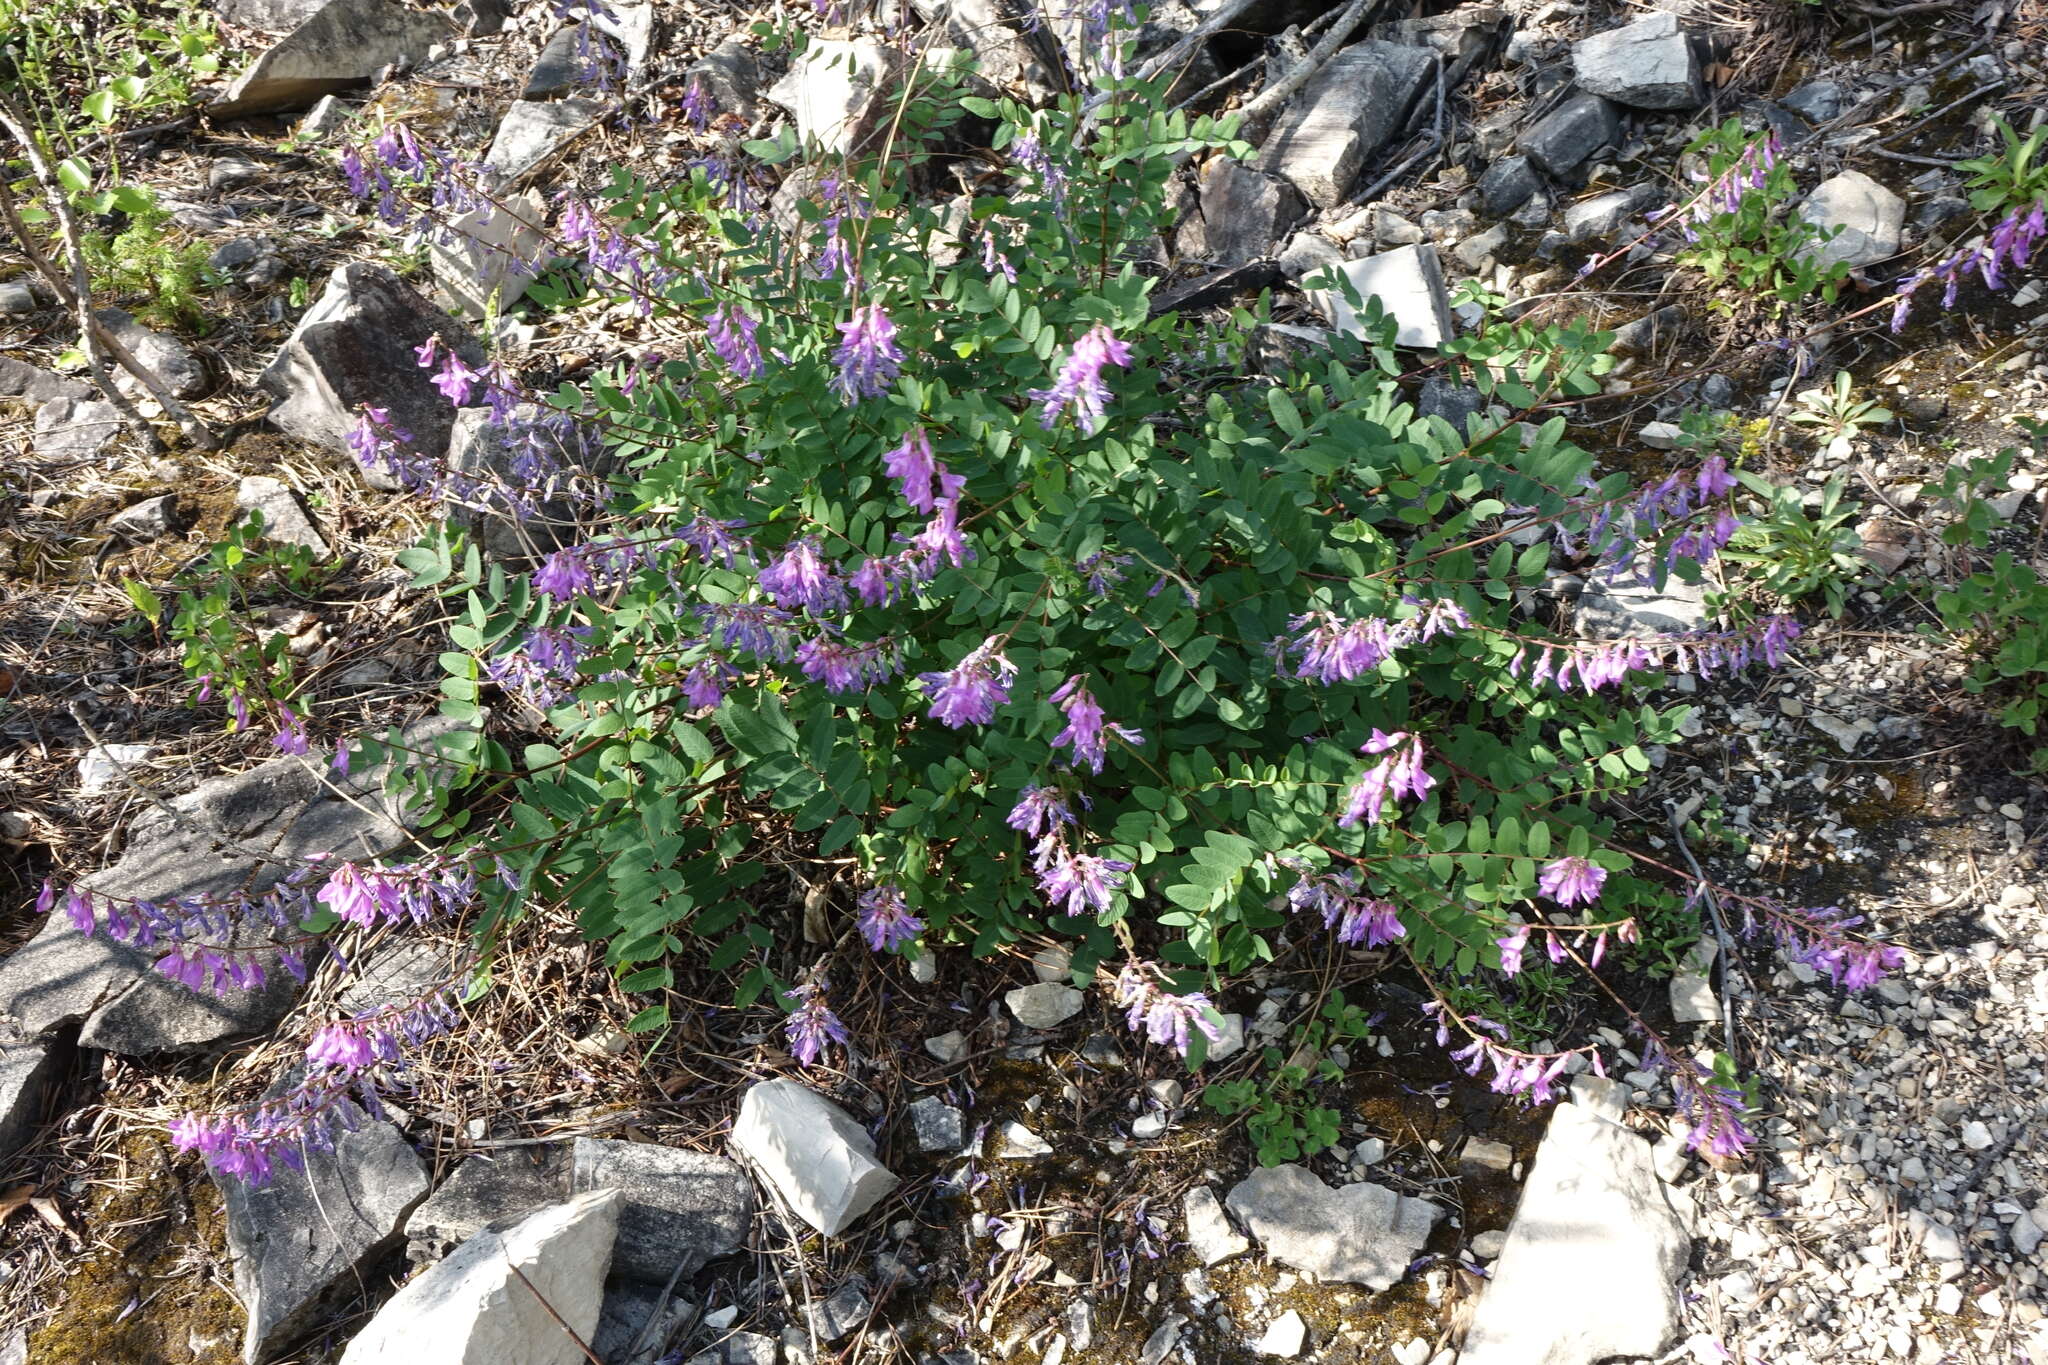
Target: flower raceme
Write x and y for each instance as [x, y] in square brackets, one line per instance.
[811, 1024]
[1079, 384]
[1399, 773]
[1351, 915]
[1164, 1018]
[969, 692]
[1087, 731]
[885, 919]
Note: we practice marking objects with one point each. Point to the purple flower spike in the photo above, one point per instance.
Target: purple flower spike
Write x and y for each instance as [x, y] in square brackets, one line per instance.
[1400, 773]
[1087, 733]
[1352, 915]
[812, 1024]
[970, 691]
[1571, 881]
[291, 733]
[802, 579]
[732, 337]
[562, 575]
[868, 356]
[1039, 811]
[1165, 1018]
[1084, 881]
[1080, 384]
[885, 919]
[913, 465]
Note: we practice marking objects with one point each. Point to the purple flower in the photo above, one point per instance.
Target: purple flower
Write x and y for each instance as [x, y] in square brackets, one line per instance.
[715, 542]
[1400, 773]
[755, 627]
[1086, 732]
[1039, 811]
[291, 732]
[1027, 151]
[698, 105]
[1165, 1018]
[845, 668]
[1511, 950]
[562, 575]
[1571, 881]
[812, 1024]
[802, 578]
[868, 356]
[1354, 916]
[704, 685]
[885, 919]
[456, 381]
[1084, 881]
[342, 1047]
[969, 692]
[732, 337]
[1080, 383]
[78, 908]
[913, 465]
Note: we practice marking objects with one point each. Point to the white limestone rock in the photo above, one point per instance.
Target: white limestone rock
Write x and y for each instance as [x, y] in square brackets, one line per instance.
[814, 1154]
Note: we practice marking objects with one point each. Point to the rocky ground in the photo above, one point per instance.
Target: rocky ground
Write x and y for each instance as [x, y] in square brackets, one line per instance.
[999, 1170]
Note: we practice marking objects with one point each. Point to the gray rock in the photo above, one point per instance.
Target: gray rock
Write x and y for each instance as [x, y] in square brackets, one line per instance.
[529, 1294]
[1641, 336]
[27, 1067]
[938, 1125]
[631, 1306]
[1343, 115]
[17, 298]
[1693, 1000]
[493, 257]
[1279, 348]
[681, 1206]
[1455, 403]
[947, 1047]
[1815, 101]
[254, 261]
[731, 75]
[1006, 58]
[1570, 133]
[354, 347]
[1164, 1338]
[741, 1348]
[1475, 253]
[1019, 1143]
[327, 117]
[1601, 217]
[1245, 212]
[1590, 1268]
[342, 45]
[1484, 1156]
[1391, 229]
[1869, 219]
[1508, 184]
[37, 386]
[1602, 1096]
[1231, 1039]
[487, 1192]
[310, 1233]
[77, 427]
[150, 519]
[1044, 1004]
[1285, 1336]
[631, 26]
[834, 91]
[1359, 1233]
[841, 1314]
[1648, 64]
[535, 132]
[1211, 1235]
[479, 447]
[1409, 284]
[267, 16]
[1308, 252]
[564, 63]
[812, 1152]
[1625, 610]
[60, 976]
[232, 173]
[170, 360]
[285, 518]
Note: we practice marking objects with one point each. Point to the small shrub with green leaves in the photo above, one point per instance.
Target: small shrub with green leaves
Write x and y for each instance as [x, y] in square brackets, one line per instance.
[941, 549]
[1791, 553]
[1738, 228]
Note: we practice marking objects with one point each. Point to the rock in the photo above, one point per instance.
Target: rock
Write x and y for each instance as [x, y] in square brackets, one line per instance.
[1021, 1144]
[1344, 114]
[1359, 1233]
[1976, 1136]
[681, 1206]
[1391, 229]
[342, 45]
[947, 1047]
[529, 1294]
[731, 76]
[741, 1348]
[481, 448]
[311, 1233]
[1625, 610]
[812, 1152]
[285, 518]
[37, 386]
[76, 427]
[1487, 1245]
[1693, 1000]
[1941, 1243]
[1164, 1338]
[631, 1306]
[1307, 253]
[938, 1125]
[494, 257]
[564, 63]
[1887, 545]
[1648, 64]
[1455, 403]
[170, 360]
[1409, 283]
[1600, 217]
[1603, 1096]
[150, 519]
[1508, 184]
[833, 91]
[1285, 1336]
[841, 1315]
[1008, 59]
[1230, 1039]
[354, 347]
[1484, 1156]
[488, 1193]
[101, 767]
[1662, 435]
[1592, 1259]
[1211, 1235]
[327, 117]
[1148, 1126]
[27, 1068]
[1053, 963]
[1475, 253]
[1245, 212]
[268, 16]
[60, 976]
[1641, 336]
[631, 26]
[17, 298]
[1869, 216]
[1570, 133]
[535, 132]
[1815, 101]
[253, 261]
[232, 173]
[1044, 1004]
[1279, 348]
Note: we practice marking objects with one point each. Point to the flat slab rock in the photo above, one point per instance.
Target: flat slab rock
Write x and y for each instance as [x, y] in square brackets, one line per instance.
[497, 1298]
[61, 977]
[1590, 1270]
[813, 1152]
[1359, 1233]
[1343, 115]
[487, 1193]
[308, 1234]
[341, 45]
[1648, 64]
[681, 1206]
[27, 1066]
